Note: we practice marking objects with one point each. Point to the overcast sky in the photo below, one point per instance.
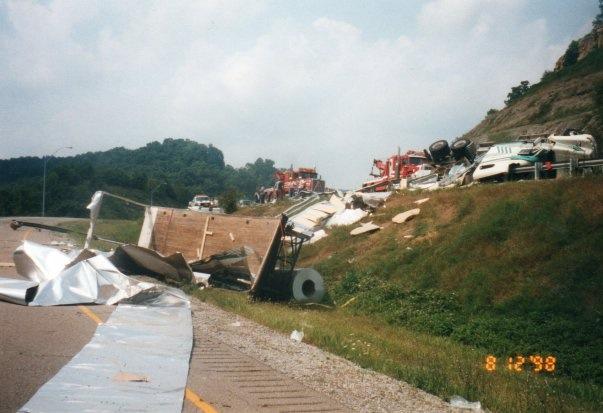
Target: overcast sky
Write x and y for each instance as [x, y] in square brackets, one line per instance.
[331, 84]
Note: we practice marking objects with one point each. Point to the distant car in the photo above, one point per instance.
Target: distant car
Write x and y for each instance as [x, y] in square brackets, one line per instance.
[201, 201]
[501, 158]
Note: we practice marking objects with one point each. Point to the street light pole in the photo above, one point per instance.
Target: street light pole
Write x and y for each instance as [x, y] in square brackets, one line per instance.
[44, 179]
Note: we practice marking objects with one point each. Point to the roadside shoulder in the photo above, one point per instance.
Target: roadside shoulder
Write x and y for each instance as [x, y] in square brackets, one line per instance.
[359, 389]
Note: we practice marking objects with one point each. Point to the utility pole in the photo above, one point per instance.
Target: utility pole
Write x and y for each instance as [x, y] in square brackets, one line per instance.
[45, 158]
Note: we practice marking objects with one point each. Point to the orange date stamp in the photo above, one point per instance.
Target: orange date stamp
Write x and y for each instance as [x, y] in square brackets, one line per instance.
[519, 363]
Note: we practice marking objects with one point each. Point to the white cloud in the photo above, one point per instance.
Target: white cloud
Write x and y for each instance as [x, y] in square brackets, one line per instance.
[311, 93]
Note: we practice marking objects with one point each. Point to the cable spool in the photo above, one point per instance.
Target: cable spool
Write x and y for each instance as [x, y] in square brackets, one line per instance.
[308, 286]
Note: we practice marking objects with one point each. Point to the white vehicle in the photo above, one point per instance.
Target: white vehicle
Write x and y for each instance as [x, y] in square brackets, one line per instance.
[204, 203]
[501, 158]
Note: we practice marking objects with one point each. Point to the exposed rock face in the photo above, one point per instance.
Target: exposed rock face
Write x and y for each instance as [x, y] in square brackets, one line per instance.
[553, 108]
[568, 100]
[586, 45]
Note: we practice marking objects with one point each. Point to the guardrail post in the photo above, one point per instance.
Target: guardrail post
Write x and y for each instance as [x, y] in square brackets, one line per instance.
[537, 169]
[572, 166]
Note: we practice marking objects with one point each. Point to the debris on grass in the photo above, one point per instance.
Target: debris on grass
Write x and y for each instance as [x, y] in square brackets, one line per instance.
[406, 216]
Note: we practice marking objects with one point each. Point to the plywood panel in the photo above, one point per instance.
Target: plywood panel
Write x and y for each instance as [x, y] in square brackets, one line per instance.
[181, 230]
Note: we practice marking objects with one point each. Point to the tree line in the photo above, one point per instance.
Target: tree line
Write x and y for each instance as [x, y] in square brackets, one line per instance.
[173, 170]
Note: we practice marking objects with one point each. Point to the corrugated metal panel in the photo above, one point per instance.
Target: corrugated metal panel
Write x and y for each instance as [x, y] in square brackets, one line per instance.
[137, 361]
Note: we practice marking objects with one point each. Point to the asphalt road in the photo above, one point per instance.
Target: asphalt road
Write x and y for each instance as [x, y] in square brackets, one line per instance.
[35, 342]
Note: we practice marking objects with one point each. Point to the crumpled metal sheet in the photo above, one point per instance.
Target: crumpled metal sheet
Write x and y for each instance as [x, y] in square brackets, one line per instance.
[38, 262]
[94, 280]
[17, 291]
[79, 278]
[133, 259]
[228, 269]
[137, 361]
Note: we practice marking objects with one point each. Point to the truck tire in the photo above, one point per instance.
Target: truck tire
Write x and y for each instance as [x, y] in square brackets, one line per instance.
[463, 148]
[439, 150]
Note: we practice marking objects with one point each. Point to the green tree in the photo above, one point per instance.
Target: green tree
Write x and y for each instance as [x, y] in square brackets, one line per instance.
[571, 54]
[229, 200]
[186, 166]
[517, 92]
[598, 22]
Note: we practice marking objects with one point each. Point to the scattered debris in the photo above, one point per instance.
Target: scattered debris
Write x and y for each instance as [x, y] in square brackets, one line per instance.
[152, 339]
[229, 269]
[365, 229]
[346, 217]
[133, 259]
[55, 278]
[458, 401]
[257, 255]
[123, 376]
[318, 235]
[297, 336]
[39, 263]
[406, 216]
[373, 200]
[17, 291]
[201, 279]
[348, 302]
[529, 157]
[307, 286]
[421, 201]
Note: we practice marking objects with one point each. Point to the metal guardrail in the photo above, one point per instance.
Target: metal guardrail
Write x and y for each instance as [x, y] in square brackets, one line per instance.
[572, 166]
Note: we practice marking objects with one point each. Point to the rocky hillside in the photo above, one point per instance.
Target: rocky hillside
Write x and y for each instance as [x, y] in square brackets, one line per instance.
[569, 97]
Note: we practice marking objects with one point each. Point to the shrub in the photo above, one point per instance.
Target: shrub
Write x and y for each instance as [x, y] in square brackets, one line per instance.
[517, 92]
[571, 54]
[228, 201]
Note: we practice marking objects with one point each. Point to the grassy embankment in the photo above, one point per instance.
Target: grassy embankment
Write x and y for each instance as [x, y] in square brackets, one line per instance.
[500, 269]
[121, 230]
[265, 210]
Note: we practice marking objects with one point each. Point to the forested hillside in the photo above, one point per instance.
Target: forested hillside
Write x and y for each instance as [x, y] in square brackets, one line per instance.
[178, 168]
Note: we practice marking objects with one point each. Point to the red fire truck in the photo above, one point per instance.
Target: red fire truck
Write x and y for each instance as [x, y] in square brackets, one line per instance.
[299, 181]
[396, 167]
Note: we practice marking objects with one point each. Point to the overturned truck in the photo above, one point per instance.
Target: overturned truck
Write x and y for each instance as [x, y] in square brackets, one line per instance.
[251, 254]
[257, 255]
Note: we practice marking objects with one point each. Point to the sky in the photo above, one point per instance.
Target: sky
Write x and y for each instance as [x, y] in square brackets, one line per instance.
[324, 83]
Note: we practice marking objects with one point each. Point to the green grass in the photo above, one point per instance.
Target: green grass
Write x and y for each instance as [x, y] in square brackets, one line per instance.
[121, 230]
[503, 269]
[265, 210]
[438, 365]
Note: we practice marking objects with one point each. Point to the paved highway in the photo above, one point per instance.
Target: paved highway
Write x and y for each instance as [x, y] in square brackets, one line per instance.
[37, 341]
